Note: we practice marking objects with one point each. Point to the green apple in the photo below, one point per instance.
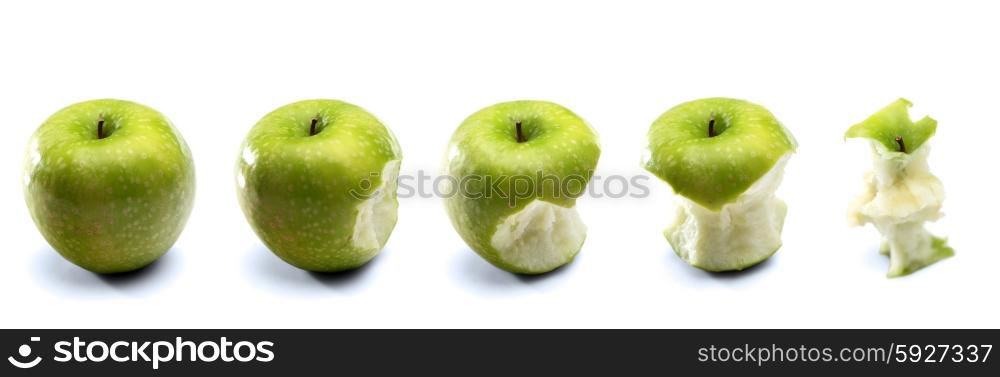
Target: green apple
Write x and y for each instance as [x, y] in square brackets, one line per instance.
[109, 183]
[900, 191]
[724, 158]
[317, 182]
[516, 170]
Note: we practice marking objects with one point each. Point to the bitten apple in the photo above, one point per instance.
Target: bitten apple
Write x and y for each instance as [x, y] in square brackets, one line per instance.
[724, 158]
[900, 192]
[517, 169]
[317, 182]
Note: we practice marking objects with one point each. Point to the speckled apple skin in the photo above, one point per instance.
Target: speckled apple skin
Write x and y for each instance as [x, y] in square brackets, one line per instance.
[714, 171]
[296, 189]
[114, 204]
[560, 144]
[894, 121]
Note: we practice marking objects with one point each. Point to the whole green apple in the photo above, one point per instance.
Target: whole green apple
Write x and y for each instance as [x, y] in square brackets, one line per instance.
[317, 182]
[724, 158]
[516, 170]
[109, 183]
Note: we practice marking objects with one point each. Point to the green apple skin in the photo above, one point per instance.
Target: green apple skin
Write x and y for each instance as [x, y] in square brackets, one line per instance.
[558, 144]
[111, 204]
[894, 121]
[714, 171]
[302, 193]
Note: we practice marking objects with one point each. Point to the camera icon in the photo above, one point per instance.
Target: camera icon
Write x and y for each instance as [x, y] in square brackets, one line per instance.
[25, 351]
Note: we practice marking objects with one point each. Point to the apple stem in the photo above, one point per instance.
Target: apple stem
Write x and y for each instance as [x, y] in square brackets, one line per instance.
[902, 147]
[520, 134]
[711, 126]
[100, 126]
[312, 126]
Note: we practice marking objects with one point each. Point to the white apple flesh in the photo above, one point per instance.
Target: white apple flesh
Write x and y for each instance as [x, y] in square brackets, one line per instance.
[900, 195]
[741, 234]
[539, 237]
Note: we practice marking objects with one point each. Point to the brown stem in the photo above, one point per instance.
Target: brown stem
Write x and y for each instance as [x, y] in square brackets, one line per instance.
[520, 134]
[902, 146]
[711, 126]
[100, 126]
[312, 126]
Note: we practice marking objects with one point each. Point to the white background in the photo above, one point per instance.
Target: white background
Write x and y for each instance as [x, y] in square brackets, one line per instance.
[216, 67]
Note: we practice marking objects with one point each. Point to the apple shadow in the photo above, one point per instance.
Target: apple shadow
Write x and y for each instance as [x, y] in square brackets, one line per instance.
[879, 264]
[276, 274]
[61, 276]
[751, 271]
[551, 275]
[477, 274]
[875, 260]
[743, 275]
[341, 278]
[135, 277]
